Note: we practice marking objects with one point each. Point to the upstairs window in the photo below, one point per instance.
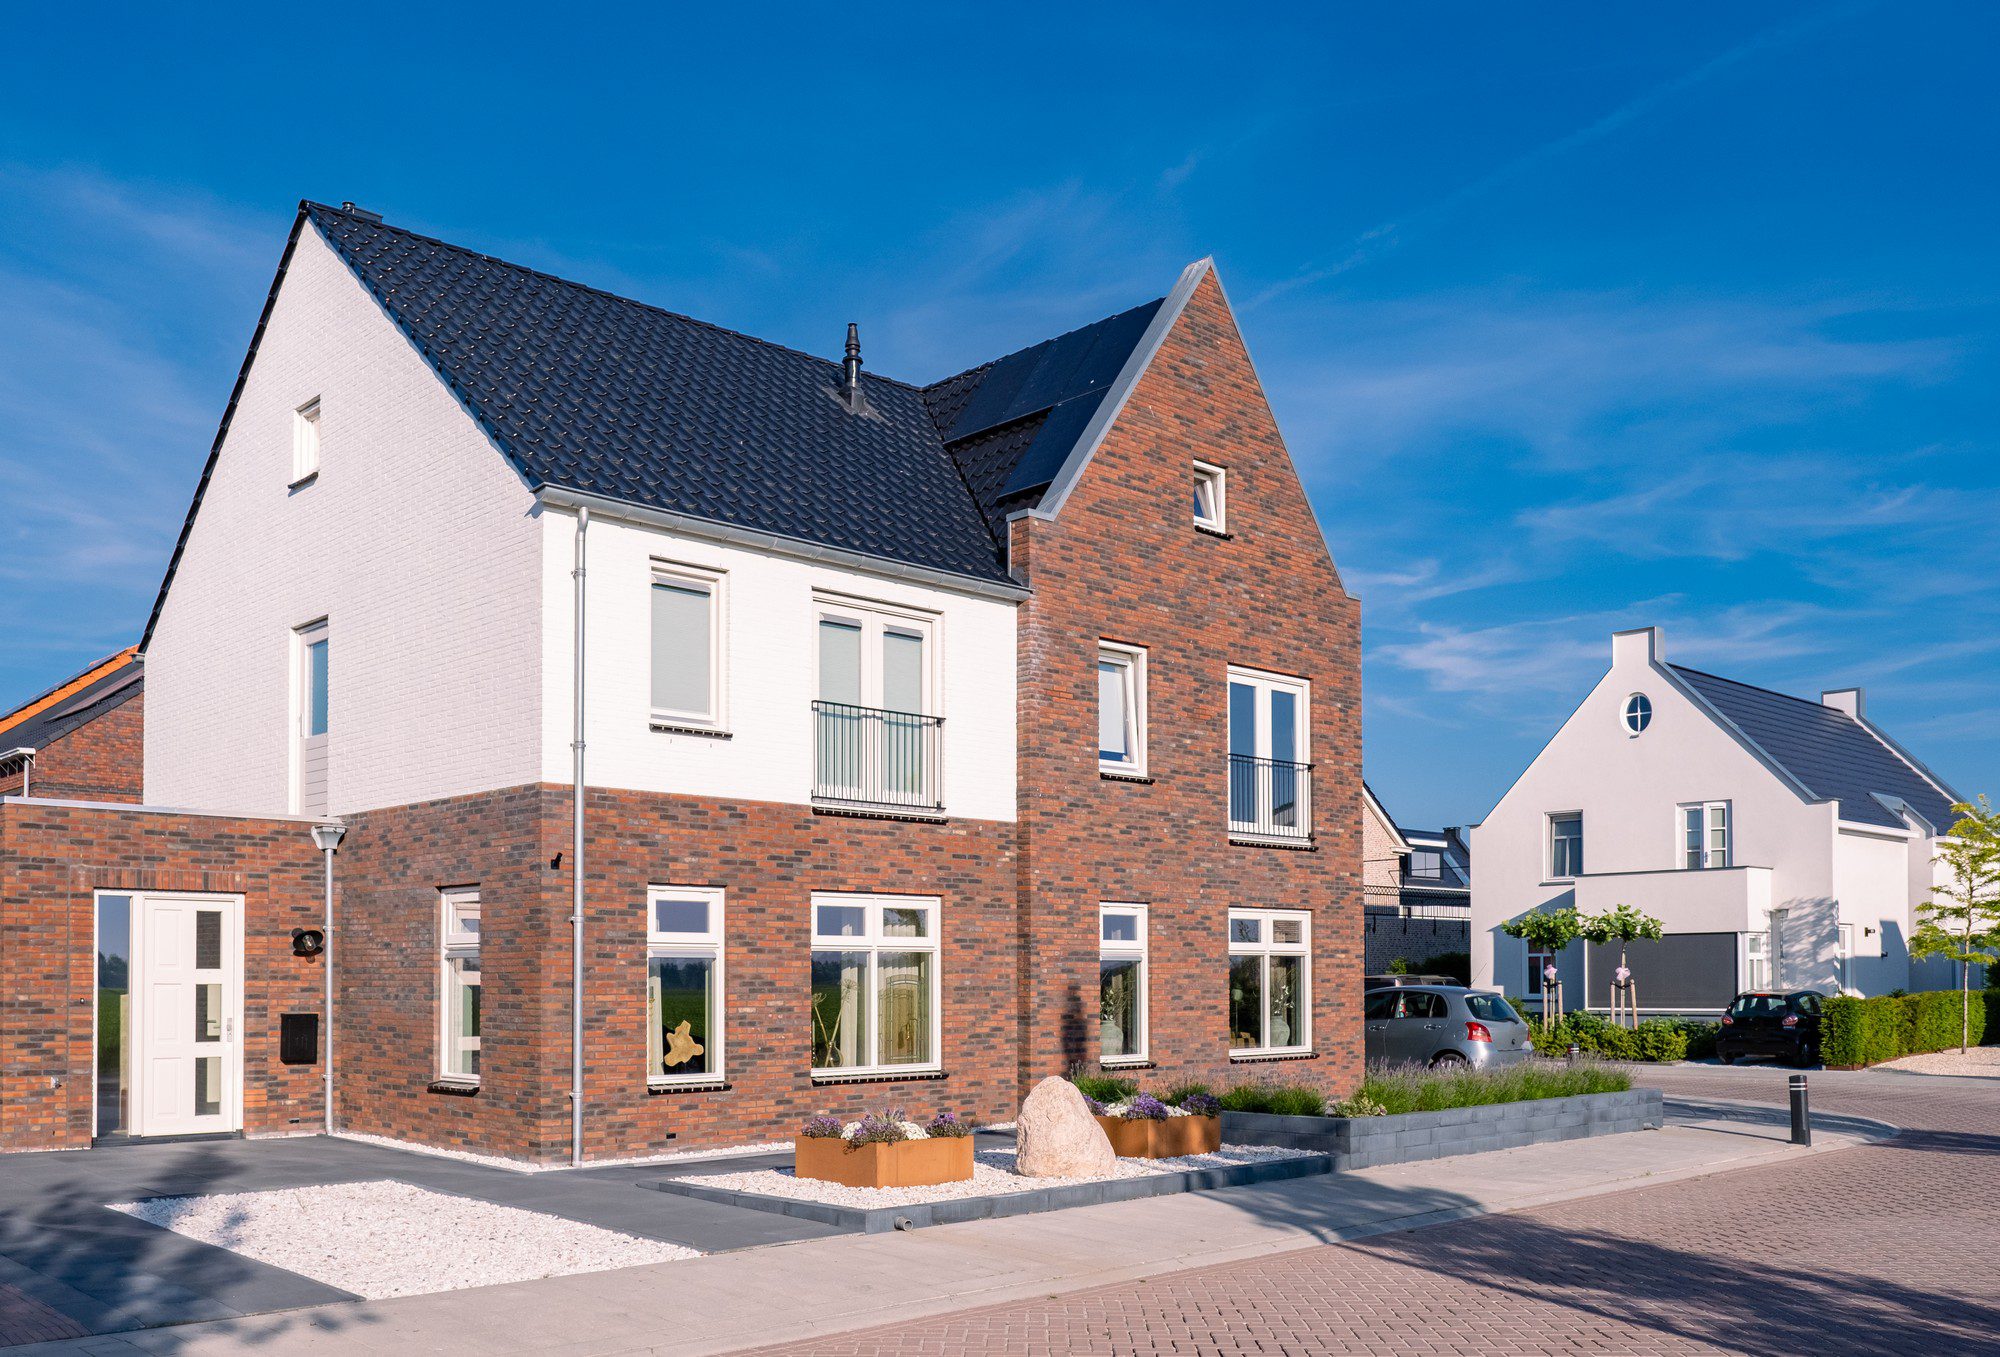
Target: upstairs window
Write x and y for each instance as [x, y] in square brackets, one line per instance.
[1211, 499]
[1705, 835]
[1426, 863]
[1565, 846]
[687, 646]
[1121, 709]
[305, 442]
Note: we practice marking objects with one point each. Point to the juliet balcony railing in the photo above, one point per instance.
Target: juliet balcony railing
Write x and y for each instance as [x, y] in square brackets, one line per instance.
[887, 762]
[1270, 799]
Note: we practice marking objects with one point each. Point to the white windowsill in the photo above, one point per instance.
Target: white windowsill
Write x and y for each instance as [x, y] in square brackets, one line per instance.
[834, 1074]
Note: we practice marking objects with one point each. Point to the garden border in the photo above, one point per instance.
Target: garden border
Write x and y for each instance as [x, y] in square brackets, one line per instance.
[883, 1219]
[1364, 1142]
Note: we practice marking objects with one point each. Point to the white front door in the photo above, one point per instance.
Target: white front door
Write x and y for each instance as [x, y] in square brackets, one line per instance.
[188, 968]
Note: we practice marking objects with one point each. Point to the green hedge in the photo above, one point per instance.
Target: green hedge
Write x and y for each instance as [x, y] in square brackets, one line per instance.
[1655, 1040]
[1856, 1032]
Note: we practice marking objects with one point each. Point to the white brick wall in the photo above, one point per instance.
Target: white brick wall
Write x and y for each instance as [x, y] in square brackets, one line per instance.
[416, 543]
[770, 668]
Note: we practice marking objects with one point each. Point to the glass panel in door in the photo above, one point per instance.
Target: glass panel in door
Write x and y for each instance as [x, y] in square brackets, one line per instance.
[1284, 775]
[903, 705]
[841, 726]
[1242, 753]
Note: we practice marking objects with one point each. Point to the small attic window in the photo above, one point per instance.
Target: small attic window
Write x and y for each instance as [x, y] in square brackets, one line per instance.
[305, 442]
[1211, 500]
[1638, 713]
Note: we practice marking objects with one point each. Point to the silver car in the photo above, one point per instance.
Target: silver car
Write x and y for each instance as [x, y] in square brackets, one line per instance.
[1442, 1025]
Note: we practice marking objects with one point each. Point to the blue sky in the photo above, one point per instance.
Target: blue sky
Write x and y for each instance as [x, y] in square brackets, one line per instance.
[1576, 317]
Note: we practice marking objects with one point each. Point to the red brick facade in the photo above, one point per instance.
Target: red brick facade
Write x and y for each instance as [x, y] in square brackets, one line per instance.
[53, 860]
[1122, 561]
[101, 760]
[1019, 940]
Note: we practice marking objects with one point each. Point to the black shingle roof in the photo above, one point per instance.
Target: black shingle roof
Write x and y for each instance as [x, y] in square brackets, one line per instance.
[592, 392]
[1831, 754]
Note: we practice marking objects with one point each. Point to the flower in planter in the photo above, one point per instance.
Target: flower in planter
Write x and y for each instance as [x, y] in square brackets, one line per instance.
[1360, 1105]
[1097, 1109]
[1146, 1107]
[887, 1129]
[1202, 1105]
[822, 1128]
[947, 1126]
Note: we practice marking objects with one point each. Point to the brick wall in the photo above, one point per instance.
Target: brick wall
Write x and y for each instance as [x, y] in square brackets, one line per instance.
[52, 860]
[101, 760]
[1122, 561]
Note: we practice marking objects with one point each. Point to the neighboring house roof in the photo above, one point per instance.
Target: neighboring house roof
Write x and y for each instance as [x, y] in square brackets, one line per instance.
[1829, 753]
[1454, 865]
[41, 721]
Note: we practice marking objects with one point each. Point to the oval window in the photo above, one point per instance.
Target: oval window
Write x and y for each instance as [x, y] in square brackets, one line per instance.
[1638, 712]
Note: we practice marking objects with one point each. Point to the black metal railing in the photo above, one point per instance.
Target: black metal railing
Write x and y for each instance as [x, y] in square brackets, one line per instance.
[870, 759]
[1269, 798]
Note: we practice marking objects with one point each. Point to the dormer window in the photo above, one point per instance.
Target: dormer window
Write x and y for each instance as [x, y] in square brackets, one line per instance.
[1638, 713]
[305, 442]
[1211, 502]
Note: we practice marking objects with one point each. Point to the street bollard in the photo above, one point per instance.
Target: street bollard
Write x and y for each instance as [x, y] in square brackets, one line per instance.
[1801, 1112]
[1574, 1052]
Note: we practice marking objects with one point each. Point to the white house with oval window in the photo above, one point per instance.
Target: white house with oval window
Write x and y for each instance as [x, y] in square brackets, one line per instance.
[1785, 843]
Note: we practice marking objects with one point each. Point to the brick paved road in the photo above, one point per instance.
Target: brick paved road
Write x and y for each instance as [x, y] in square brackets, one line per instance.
[23, 1319]
[1884, 1249]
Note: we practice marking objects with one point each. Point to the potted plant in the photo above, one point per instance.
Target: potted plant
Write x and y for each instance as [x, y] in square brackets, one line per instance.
[884, 1150]
[1143, 1127]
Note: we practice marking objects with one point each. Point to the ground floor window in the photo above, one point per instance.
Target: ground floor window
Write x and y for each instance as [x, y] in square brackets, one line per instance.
[1270, 980]
[459, 932]
[874, 982]
[1538, 972]
[1121, 982]
[1756, 961]
[114, 1014]
[683, 984]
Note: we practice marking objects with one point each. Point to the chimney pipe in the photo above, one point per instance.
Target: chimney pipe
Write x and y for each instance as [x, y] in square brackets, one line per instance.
[850, 368]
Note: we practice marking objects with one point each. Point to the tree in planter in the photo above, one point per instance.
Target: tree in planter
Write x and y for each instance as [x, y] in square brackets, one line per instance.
[1548, 930]
[1623, 925]
[1961, 919]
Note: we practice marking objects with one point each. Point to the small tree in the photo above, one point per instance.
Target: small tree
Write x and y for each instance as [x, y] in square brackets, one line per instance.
[1961, 919]
[1623, 925]
[1547, 930]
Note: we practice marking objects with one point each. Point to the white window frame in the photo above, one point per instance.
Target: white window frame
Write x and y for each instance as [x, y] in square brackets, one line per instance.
[1716, 820]
[1757, 961]
[874, 618]
[874, 943]
[1436, 857]
[1266, 948]
[1538, 983]
[1122, 950]
[1625, 715]
[1217, 479]
[1549, 844]
[1843, 957]
[1132, 661]
[305, 442]
[1267, 683]
[304, 638]
[715, 583]
[706, 945]
[456, 946]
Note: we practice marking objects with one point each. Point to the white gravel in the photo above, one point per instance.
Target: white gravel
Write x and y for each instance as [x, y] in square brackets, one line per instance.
[495, 1161]
[993, 1175]
[390, 1239]
[1981, 1062]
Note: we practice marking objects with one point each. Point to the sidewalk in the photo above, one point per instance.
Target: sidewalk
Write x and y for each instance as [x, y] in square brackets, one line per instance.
[797, 1291]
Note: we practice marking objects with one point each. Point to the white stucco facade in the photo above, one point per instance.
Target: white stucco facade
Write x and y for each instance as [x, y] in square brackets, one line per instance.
[416, 543]
[447, 599]
[1796, 873]
[763, 747]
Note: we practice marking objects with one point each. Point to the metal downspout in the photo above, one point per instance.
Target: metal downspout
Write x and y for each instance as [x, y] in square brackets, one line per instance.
[576, 868]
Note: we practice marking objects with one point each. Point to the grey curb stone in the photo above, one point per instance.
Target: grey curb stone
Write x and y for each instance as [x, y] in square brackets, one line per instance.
[1364, 1142]
[881, 1220]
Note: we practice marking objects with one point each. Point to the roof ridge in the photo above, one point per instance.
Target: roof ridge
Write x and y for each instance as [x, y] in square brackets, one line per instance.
[312, 206]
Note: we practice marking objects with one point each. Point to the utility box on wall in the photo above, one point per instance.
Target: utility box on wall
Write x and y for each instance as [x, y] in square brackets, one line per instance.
[298, 1039]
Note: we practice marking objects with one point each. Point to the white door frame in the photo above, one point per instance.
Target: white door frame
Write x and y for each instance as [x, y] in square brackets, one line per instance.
[145, 1117]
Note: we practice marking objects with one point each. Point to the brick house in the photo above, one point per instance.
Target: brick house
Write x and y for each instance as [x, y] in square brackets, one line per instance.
[81, 740]
[935, 738]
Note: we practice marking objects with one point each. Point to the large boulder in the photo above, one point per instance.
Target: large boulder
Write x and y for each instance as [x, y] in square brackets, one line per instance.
[1057, 1137]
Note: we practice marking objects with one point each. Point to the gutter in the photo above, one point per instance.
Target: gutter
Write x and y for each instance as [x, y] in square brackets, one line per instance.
[777, 544]
[576, 865]
[26, 754]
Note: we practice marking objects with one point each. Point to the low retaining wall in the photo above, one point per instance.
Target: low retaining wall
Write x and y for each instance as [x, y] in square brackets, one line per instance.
[1362, 1142]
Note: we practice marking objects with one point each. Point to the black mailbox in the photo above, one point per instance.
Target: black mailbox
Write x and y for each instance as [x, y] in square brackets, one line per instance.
[298, 1039]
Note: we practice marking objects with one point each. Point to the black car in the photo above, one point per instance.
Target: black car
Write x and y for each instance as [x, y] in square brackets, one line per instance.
[1762, 1023]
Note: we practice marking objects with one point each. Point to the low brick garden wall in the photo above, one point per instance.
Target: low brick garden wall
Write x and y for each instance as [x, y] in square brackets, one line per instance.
[1363, 1142]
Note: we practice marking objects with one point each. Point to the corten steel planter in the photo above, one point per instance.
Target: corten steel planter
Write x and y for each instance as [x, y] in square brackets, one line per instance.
[902, 1163]
[1141, 1138]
